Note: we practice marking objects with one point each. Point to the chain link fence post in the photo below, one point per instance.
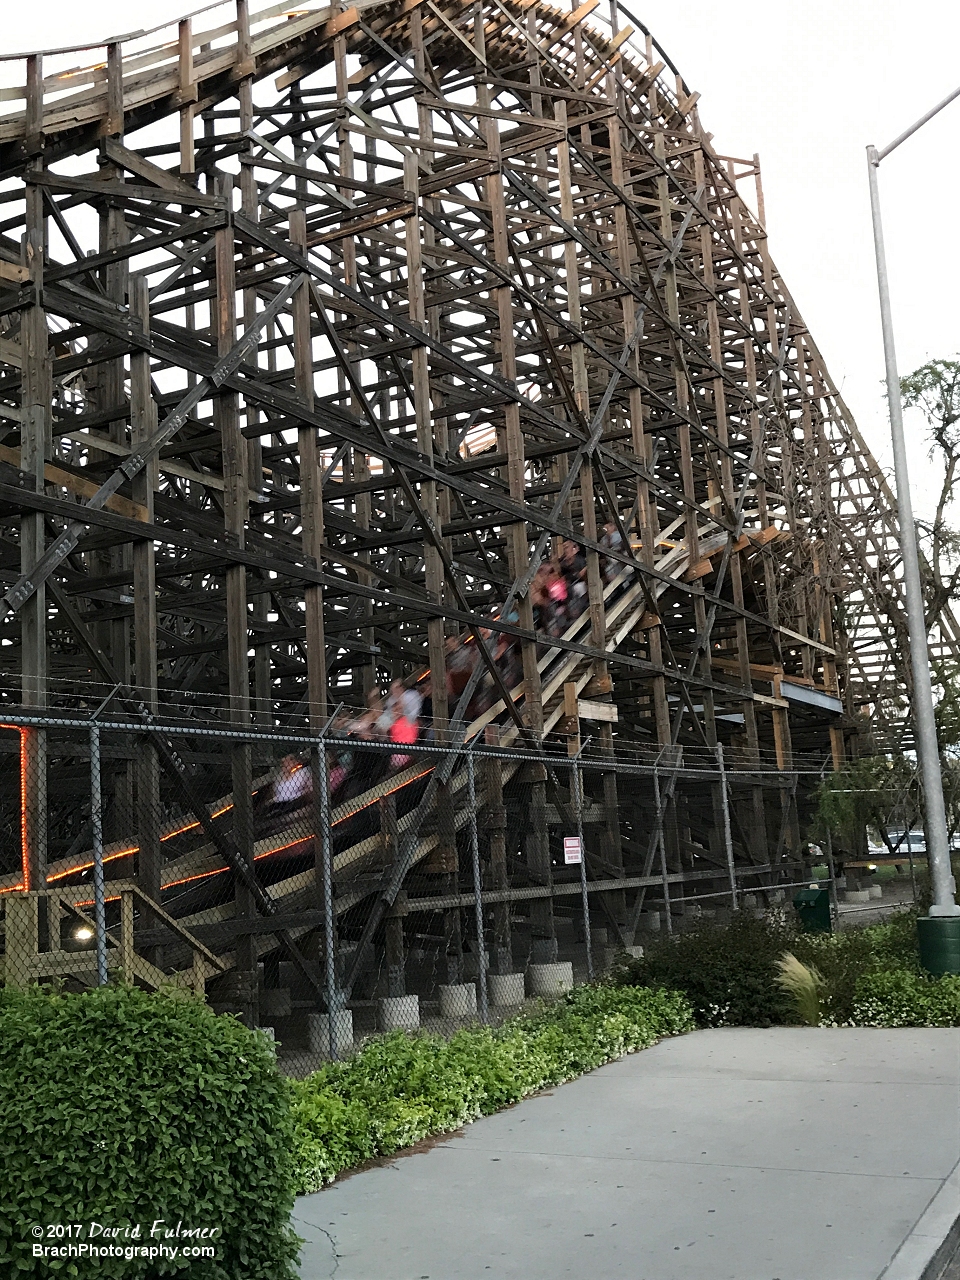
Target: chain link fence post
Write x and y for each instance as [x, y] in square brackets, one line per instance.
[668, 915]
[333, 995]
[832, 871]
[99, 888]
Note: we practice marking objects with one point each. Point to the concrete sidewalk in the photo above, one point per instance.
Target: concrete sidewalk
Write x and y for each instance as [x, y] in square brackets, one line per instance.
[737, 1154]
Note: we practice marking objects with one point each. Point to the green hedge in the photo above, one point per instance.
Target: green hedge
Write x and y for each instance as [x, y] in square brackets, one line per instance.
[729, 972]
[400, 1088]
[120, 1108]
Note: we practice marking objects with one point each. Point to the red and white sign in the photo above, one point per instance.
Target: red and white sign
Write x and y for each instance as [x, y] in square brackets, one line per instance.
[572, 850]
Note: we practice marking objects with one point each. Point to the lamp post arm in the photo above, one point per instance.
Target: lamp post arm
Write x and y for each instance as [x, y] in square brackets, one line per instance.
[882, 155]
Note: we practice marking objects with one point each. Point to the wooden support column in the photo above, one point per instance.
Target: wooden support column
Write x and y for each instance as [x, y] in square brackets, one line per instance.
[260, 604]
[723, 495]
[602, 685]
[708, 246]
[510, 436]
[819, 455]
[395, 955]
[423, 418]
[600, 682]
[754, 819]
[114, 636]
[143, 422]
[357, 463]
[394, 951]
[648, 516]
[235, 514]
[311, 496]
[495, 822]
[646, 519]
[186, 95]
[740, 219]
[444, 860]
[311, 509]
[543, 935]
[35, 448]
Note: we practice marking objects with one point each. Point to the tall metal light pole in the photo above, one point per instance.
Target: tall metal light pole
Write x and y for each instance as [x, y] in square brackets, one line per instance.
[940, 933]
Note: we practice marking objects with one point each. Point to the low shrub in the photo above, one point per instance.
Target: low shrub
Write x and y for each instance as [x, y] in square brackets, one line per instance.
[400, 1088]
[727, 972]
[121, 1108]
[904, 998]
[730, 973]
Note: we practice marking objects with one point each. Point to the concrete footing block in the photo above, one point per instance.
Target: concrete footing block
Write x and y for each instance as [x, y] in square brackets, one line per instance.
[856, 895]
[398, 1012]
[650, 921]
[458, 1001]
[612, 954]
[551, 979]
[319, 1036]
[876, 891]
[505, 988]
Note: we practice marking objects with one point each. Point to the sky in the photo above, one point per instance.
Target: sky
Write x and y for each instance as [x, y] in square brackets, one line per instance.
[807, 87]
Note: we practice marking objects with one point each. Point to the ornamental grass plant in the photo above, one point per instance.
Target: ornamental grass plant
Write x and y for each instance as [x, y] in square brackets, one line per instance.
[803, 984]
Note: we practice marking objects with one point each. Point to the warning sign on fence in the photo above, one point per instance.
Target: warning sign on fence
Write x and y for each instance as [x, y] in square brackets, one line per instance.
[572, 850]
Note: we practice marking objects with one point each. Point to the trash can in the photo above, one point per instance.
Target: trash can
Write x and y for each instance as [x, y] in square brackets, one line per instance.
[939, 938]
[812, 906]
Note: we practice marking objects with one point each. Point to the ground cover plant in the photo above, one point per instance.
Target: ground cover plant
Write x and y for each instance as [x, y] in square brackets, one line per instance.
[902, 998]
[118, 1107]
[400, 1088]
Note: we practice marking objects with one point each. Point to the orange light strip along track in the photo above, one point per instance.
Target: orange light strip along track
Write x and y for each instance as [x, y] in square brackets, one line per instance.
[190, 826]
[134, 848]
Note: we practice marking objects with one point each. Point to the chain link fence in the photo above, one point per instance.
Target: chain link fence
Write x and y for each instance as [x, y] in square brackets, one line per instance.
[330, 887]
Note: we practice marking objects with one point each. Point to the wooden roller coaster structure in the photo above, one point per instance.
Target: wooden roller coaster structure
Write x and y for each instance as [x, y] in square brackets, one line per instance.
[320, 328]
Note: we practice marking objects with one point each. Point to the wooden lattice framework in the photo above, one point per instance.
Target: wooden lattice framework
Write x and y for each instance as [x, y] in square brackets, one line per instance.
[320, 327]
